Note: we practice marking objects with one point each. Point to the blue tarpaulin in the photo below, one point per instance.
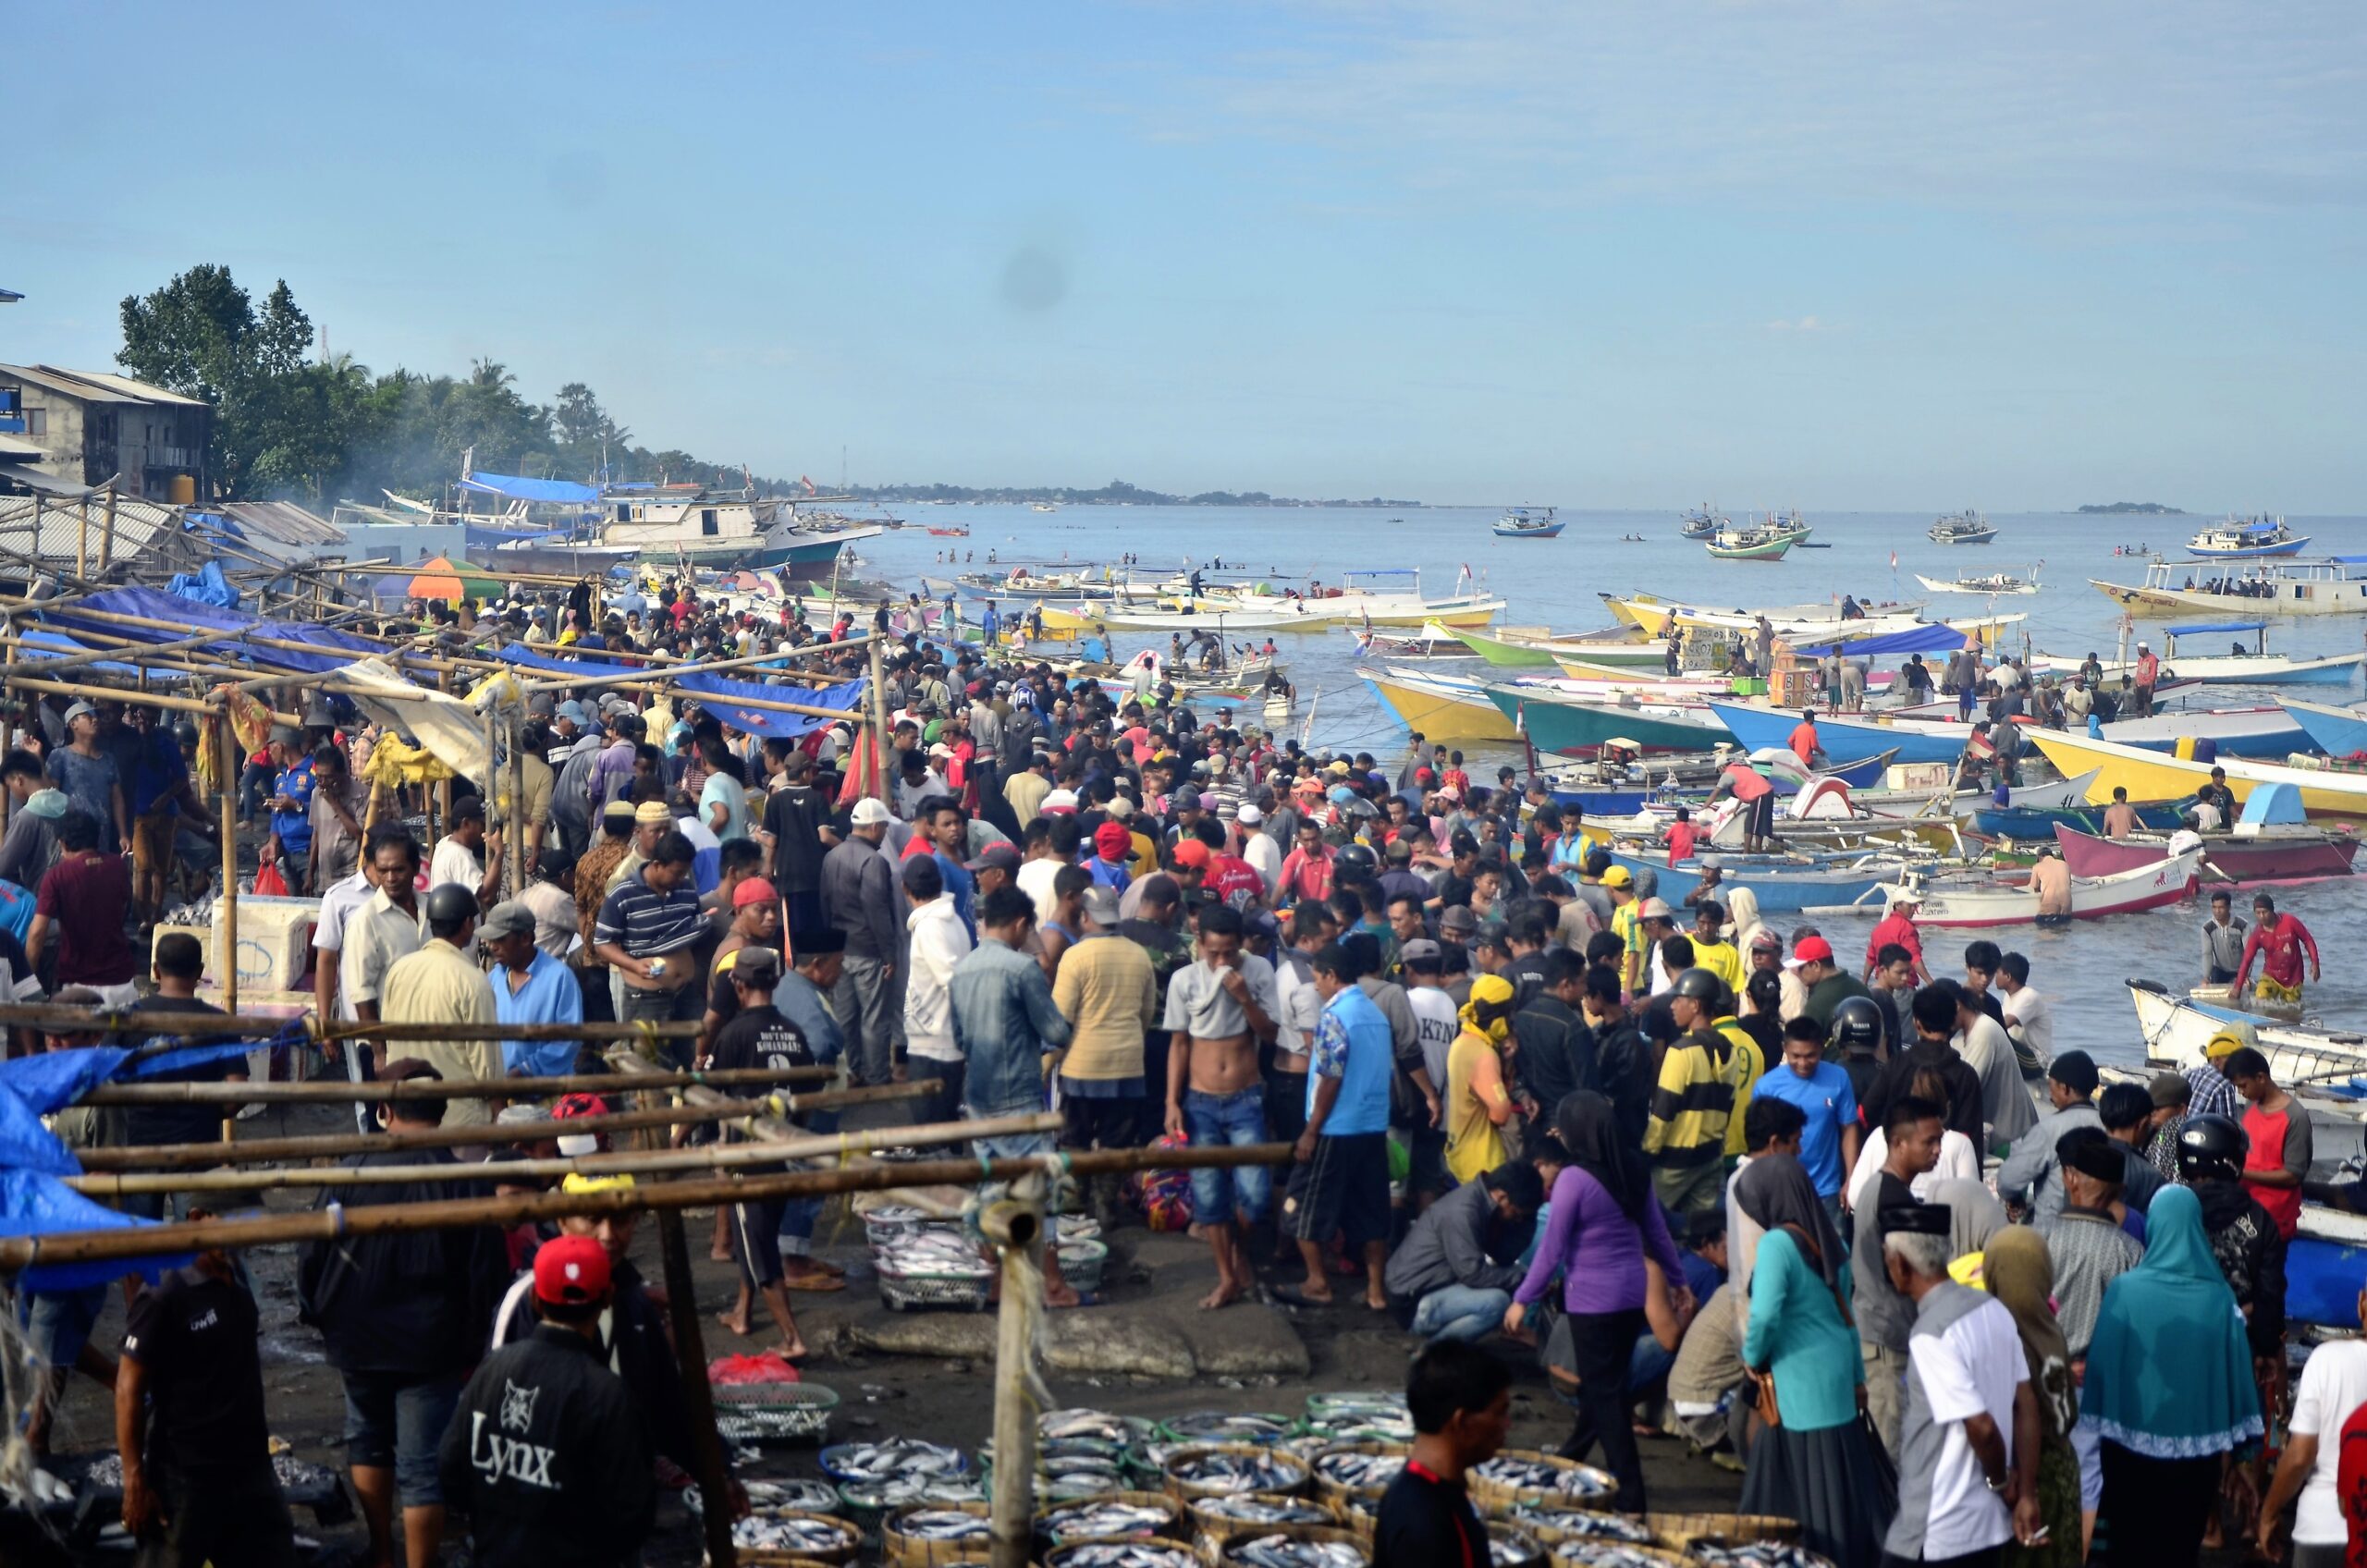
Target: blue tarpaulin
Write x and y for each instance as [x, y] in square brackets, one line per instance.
[1914, 640]
[2207, 628]
[206, 585]
[187, 615]
[725, 699]
[36, 644]
[516, 489]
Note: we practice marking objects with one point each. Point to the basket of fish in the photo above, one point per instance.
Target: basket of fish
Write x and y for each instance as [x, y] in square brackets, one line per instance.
[935, 1267]
[893, 1459]
[817, 1536]
[1226, 1426]
[1552, 1525]
[1082, 1262]
[1712, 1553]
[795, 1494]
[1121, 1554]
[1509, 1548]
[1215, 1469]
[1681, 1530]
[1365, 1470]
[1116, 1516]
[868, 1503]
[1360, 1417]
[774, 1413]
[1219, 1519]
[1584, 1553]
[889, 1220]
[927, 1535]
[1520, 1475]
[1120, 1432]
[1296, 1546]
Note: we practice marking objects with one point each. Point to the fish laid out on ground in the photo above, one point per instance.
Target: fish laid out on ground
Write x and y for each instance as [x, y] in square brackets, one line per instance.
[1260, 1508]
[1229, 1427]
[1581, 1554]
[943, 1524]
[1535, 1475]
[1282, 1551]
[1755, 1554]
[1237, 1473]
[1104, 1520]
[1359, 1472]
[892, 1459]
[1582, 1522]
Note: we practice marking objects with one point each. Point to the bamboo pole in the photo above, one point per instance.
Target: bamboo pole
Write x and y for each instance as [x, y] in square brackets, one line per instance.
[879, 703]
[107, 538]
[430, 1089]
[228, 957]
[116, 1243]
[332, 1145]
[1016, 1228]
[82, 538]
[143, 699]
[186, 1026]
[720, 1157]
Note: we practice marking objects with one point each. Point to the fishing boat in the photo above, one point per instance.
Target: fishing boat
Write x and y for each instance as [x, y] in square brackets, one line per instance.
[2009, 580]
[2241, 665]
[1426, 643]
[1051, 587]
[1537, 647]
[1761, 541]
[2330, 788]
[2307, 856]
[1967, 527]
[2338, 732]
[1440, 706]
[2246, 539]
[710, 526]
[1528, 522]
[555, 554]
[2337, 585]
[2164, 880]
[2177, 1032]
[1652, 616]
[2037, 824]
[962, 533]
[1703, 522]
[1561, 724]
[1783, 883]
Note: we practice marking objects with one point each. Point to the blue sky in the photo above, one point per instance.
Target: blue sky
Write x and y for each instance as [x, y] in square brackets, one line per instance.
[1849, 256]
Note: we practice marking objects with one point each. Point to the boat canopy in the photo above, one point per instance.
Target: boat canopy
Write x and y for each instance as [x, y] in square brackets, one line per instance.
[2206, 628]
[517, 489]
[2273, 803]
[1929, 639]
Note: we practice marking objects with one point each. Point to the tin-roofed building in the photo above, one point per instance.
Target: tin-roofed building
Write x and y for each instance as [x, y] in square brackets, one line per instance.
[73, 429]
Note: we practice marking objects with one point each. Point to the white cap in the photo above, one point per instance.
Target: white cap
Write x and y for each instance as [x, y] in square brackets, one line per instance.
[1249, 814]
[869, 812]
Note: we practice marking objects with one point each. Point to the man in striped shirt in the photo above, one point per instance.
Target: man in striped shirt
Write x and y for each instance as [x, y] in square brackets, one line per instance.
[647, 929]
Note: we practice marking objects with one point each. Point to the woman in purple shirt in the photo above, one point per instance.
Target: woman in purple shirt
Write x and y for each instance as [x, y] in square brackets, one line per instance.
[1604, 1219]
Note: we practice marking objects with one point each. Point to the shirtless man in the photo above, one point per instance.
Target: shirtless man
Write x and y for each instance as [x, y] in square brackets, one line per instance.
[1218, 1006]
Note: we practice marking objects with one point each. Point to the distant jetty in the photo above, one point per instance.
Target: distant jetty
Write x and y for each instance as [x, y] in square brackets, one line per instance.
[2135, 508]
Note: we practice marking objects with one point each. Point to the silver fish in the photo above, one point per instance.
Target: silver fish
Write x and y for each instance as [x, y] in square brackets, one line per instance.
[1755, 1554]
[1121, 1554]
[1579, 1522]
[1099, 1426]
[892, 1459]
[1375, 1404]
[895, 1492]
[1584, 1553]
[1359, 1471]
[1253, 1508]
[939, 1251]
[796, 1492]
[943, 1524]
[1536, 1476]
[1102, 1521]
[1237, 1473]
[805, 1536]
[1282, 1551]
[1379, 1428]
[1509, 1548]
[1230, 1426]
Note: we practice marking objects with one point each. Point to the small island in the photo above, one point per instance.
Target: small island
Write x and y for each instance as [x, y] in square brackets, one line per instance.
[2135, 508]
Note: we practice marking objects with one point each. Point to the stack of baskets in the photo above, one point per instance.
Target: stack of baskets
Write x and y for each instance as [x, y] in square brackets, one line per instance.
[924, 1264]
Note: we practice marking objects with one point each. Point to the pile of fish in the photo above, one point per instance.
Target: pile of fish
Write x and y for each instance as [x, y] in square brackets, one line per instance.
[1755, 1554]
[1105, 1520]
[896, 1491]
[1583, 1524]
[1604, 1554]
[1356, 1472]
[943, 1524]
[793, 1494]
[1064, 1472]
[1369, 1417]
[1221, 1472]
[1536, 1476]
[1096, 1426]
[1510, 1549]
[798, 1535]
[1121, 1554]
[1226, 1426]
[1254, 1508]
[937, 1252]
[892, 1459]
[1284, 1552]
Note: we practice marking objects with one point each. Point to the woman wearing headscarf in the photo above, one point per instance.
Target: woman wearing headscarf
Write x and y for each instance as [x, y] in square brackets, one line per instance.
[1742, 915]
[1816, 1464]
[1477, 1100]
[2018, 1271]
[1974, 1216]
[2169, 1389]
[1604, 1223]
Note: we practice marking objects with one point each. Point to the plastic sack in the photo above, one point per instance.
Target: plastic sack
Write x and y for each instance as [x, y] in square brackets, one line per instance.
[1166, 1195]
[742, 1369]
[269, 883]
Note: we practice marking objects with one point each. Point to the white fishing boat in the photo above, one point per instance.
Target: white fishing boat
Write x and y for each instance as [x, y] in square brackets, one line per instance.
[2177, 1029]
[1703, 522]
[1963, 907]
[2247, 539]
[2007, 580]
[2334, 586]
[1967, 527]
[722, 529]
[2241, 665]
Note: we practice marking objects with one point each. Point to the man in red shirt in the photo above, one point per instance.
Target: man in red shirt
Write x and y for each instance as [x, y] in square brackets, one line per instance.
[1306, 870]
[1681, 837]
[1756, 792]
[1223, 875]
[82, 901]
[2279, 940]
[2148, 672]
[1899, 926]
[1803, 739]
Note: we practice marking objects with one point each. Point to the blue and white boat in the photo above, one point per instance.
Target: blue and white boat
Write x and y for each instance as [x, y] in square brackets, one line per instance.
[2338, 732]
[2247, 539]
[1528, 522]
[1784, 884]
[2232, 732]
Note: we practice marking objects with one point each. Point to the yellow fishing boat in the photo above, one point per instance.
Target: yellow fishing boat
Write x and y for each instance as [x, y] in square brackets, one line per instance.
[2329, 788]
[1445, 707]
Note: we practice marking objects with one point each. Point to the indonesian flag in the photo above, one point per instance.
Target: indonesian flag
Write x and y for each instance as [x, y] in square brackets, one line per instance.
[812, 489]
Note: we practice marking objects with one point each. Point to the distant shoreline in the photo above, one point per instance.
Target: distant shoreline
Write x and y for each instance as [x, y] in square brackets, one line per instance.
[2133, 508]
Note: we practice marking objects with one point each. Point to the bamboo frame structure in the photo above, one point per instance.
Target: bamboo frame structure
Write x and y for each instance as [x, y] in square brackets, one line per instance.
[445, 1089]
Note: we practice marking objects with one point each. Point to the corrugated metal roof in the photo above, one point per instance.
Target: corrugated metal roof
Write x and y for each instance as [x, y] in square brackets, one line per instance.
[137, 525]
[284, 521]
[16, 447]
[47, 483]
[125, 385]
[94, 386]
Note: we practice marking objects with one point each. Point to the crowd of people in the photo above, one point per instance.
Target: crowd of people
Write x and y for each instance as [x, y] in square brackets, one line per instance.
[1702, 1170]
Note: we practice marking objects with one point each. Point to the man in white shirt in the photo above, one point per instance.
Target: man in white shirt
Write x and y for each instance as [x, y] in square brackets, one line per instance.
[938, 942]
[1257, 846]
[1968, 1466]
[341, 900]
[2029, 1017]
[467, 857]
[2333, 1388]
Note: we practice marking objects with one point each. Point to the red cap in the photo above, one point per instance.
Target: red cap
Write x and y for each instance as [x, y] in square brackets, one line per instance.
[1191, 852]
[571, 1271]
[1813, 950]
[753, 890]
[1112, 838]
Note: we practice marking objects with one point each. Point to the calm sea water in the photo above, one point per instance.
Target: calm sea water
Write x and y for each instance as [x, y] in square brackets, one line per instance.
[1557, 582]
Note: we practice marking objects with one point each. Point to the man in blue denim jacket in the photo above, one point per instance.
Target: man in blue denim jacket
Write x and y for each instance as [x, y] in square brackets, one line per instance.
[1006, 1025]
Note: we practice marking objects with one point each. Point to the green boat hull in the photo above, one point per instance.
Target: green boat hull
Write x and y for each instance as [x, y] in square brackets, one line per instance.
[1526, 655]
[1565, 728]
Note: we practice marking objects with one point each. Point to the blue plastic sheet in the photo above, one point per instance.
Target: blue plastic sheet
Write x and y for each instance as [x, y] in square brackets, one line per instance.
[1931, 639]
[55, 1080]
[185, 616]
[516, 489]
[724, 698]
[206, 585]
[26, 1144]
[35, 1203]
[16, 910]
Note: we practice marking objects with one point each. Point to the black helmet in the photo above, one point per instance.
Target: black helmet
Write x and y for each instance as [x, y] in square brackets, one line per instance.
[1701, 986]
[1857, 1021]
[2211, 1146]
[451, 904]
[185, 733]
[1355, 863]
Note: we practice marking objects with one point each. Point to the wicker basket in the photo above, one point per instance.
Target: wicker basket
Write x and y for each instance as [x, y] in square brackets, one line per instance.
[1511, 1548]
[1571, 1554]
[1185, 1491]
[1047, 1520]
[849, 1539]
[1177, 1554]
[1340, 1492]
[1491, 1495]
[774, 1413]
[900, 1550]
[1212, 1529]
[1286, 1425]
[1296, 1533]
[1549, 1526]
[1681, 1530]
[1082, 1263]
